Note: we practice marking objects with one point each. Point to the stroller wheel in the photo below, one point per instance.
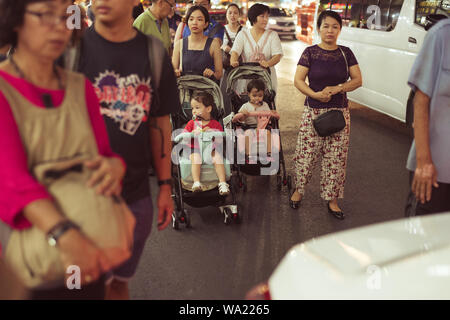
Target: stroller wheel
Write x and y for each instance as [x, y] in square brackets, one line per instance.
[228, 215]
[236, 217]
[175, 223]
[187, 219]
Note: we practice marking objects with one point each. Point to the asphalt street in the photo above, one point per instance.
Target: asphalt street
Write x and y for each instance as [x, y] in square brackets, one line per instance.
[215, 261]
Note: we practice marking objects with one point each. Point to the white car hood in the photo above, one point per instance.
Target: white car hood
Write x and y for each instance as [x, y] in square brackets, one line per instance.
[404, 259]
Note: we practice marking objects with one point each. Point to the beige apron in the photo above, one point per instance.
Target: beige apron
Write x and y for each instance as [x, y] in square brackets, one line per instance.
[56, 142]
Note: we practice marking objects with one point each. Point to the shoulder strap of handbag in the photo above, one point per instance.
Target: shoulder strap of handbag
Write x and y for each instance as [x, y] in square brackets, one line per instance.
[346, 64]
[181, 54]
[230, 42]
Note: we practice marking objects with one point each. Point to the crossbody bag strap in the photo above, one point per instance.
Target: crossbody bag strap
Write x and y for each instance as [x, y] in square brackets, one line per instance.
[229, 38]
[346, 63]
[181, 54]
[348, 74]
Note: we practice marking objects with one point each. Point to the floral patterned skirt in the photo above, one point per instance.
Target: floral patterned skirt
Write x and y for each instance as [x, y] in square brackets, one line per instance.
[332, 149]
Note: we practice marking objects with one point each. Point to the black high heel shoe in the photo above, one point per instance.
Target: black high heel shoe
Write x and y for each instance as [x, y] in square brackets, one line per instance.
[337, 214]
[294, 204]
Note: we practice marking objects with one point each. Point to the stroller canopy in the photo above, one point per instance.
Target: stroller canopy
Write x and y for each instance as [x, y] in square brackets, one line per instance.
[189, 84]
[249, 73]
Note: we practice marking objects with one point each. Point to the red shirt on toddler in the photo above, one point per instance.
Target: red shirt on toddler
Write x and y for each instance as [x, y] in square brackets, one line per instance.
[212, 125]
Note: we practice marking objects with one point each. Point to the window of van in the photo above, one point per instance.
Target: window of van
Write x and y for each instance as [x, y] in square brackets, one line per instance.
[354, 12]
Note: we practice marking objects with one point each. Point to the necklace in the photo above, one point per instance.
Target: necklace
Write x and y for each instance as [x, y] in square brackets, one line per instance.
[46, 98]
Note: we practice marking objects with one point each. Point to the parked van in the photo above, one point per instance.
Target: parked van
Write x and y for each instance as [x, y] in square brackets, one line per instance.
[385, 50]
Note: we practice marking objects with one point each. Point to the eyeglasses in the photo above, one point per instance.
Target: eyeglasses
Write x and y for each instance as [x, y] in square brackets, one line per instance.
[170, 4]
[49, 18]
[202, 4]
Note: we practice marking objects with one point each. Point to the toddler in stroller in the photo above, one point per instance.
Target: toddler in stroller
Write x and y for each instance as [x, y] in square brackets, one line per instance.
[206, 133]
[255, 126]
[202, 105]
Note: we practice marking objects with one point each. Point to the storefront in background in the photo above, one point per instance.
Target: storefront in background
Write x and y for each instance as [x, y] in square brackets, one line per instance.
[305, 20]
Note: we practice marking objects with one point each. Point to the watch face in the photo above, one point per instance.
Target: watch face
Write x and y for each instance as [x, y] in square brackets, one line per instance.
[52, 242]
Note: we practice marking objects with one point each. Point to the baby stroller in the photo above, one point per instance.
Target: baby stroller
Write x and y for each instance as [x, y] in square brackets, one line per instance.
[181, 169]
[236, 89]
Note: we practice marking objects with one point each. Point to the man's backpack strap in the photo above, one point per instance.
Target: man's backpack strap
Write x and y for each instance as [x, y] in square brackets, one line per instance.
[72, 57]
[156, 52]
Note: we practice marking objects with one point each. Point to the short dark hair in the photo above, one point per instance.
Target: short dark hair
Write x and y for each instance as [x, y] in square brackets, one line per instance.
[256, 84]
[257, 10]
[195, 8]
[12, 13]
[328, 13]
[234, 5]
[205, 98]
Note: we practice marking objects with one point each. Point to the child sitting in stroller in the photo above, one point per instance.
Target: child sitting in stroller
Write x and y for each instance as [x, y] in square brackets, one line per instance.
[255, 89]
[202, 105]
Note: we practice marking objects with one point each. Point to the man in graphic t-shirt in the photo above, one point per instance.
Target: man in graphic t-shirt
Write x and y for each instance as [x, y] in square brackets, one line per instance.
[115, 57]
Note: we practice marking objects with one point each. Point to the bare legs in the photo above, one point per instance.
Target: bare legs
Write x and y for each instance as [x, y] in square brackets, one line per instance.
[196, 164]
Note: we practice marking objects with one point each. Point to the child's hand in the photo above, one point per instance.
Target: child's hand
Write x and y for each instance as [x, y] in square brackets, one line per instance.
[245, 114]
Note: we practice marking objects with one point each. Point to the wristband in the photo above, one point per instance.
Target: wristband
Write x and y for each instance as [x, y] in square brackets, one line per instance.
[162, 182]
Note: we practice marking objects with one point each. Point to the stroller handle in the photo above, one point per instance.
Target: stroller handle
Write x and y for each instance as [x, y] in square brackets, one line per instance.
[239, 116]
[204, 136]
[251, 64]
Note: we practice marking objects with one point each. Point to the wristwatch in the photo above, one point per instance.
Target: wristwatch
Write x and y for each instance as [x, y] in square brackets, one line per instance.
[57, 231]
[162, 182]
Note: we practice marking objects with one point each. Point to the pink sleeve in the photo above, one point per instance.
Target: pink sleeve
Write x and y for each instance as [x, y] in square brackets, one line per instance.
[17, 185]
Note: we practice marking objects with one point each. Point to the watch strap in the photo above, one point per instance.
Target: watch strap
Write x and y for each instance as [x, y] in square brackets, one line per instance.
[57, 231]
[167, 181]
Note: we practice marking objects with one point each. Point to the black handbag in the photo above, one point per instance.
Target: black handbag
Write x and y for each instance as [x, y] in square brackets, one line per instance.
[329, 122]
